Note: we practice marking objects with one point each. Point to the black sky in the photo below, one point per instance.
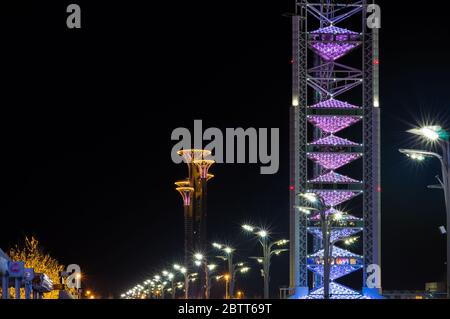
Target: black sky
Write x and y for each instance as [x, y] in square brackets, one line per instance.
[87, 117]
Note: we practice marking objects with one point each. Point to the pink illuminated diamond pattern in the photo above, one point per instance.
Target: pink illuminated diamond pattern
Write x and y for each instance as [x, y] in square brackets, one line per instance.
[334, 30]
[334, 104]
[333, 211]
[334, 198]
[334, 178]
[334, 141]
[333, 124]
[333, 42]
[336, 234]
[333, 161]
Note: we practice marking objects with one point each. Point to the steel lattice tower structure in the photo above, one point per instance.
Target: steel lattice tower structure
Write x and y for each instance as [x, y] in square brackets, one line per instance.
[335, 88]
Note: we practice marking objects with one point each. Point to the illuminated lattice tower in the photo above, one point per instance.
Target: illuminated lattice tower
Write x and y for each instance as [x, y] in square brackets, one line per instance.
[335, 95]
[194, 193]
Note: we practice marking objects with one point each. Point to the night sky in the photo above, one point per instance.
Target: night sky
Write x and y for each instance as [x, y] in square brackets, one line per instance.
[87, 115]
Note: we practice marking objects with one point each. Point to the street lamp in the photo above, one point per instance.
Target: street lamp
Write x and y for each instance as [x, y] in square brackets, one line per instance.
[187, 277]
[160, 284]
[201, 261]
[170, 276]
[268, 251]
[436, 134]
[227, 279]
[228, 256]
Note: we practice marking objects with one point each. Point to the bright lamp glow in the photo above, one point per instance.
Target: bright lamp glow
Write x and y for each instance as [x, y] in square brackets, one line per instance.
[263, 233]
[198, 256]
[248, 228]
[304, 210]
[216, 245]
[310, 197]
[416, 157]
[228, 250]
[431, 133]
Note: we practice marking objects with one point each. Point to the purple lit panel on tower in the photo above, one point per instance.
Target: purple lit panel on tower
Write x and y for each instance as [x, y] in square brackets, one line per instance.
[334, 30]
[337, 252]
[334, 104]
[336, 272]
[333, 124]
[334, 178]
[336, 234]
[333, 161]
[336, 292]
[345, 217]
[333, 51]
[334, 141]
[334, 198]
[332, 43]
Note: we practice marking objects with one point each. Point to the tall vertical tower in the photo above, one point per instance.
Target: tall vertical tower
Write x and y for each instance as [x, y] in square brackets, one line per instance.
[335, 144]
[194, 193]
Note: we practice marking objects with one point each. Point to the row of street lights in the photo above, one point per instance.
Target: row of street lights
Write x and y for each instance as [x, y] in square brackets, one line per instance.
[157, 285]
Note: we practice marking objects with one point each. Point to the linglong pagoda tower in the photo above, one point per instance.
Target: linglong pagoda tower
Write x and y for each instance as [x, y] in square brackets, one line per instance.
[335, 145]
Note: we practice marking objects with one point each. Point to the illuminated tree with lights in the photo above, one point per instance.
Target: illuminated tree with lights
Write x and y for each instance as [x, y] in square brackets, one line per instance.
[34, 257]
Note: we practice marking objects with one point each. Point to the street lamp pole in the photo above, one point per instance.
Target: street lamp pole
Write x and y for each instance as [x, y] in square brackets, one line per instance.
[263, 238]
[227, 293]
[187, 277]
[228, 256]
[438, 135]
[266, 265]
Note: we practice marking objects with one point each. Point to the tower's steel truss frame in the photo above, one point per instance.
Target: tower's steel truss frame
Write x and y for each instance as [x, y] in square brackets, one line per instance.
[321, 79]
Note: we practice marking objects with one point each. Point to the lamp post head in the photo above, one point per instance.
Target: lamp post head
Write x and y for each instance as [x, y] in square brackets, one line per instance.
[244, 270]
[228, 250]
[306, 210]
[282, 242]
[212, 267]
[310, 197]
[263, 234]
[350, 241]
[199, 256]
[419, 155]
[248, 228]
[430, 133]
